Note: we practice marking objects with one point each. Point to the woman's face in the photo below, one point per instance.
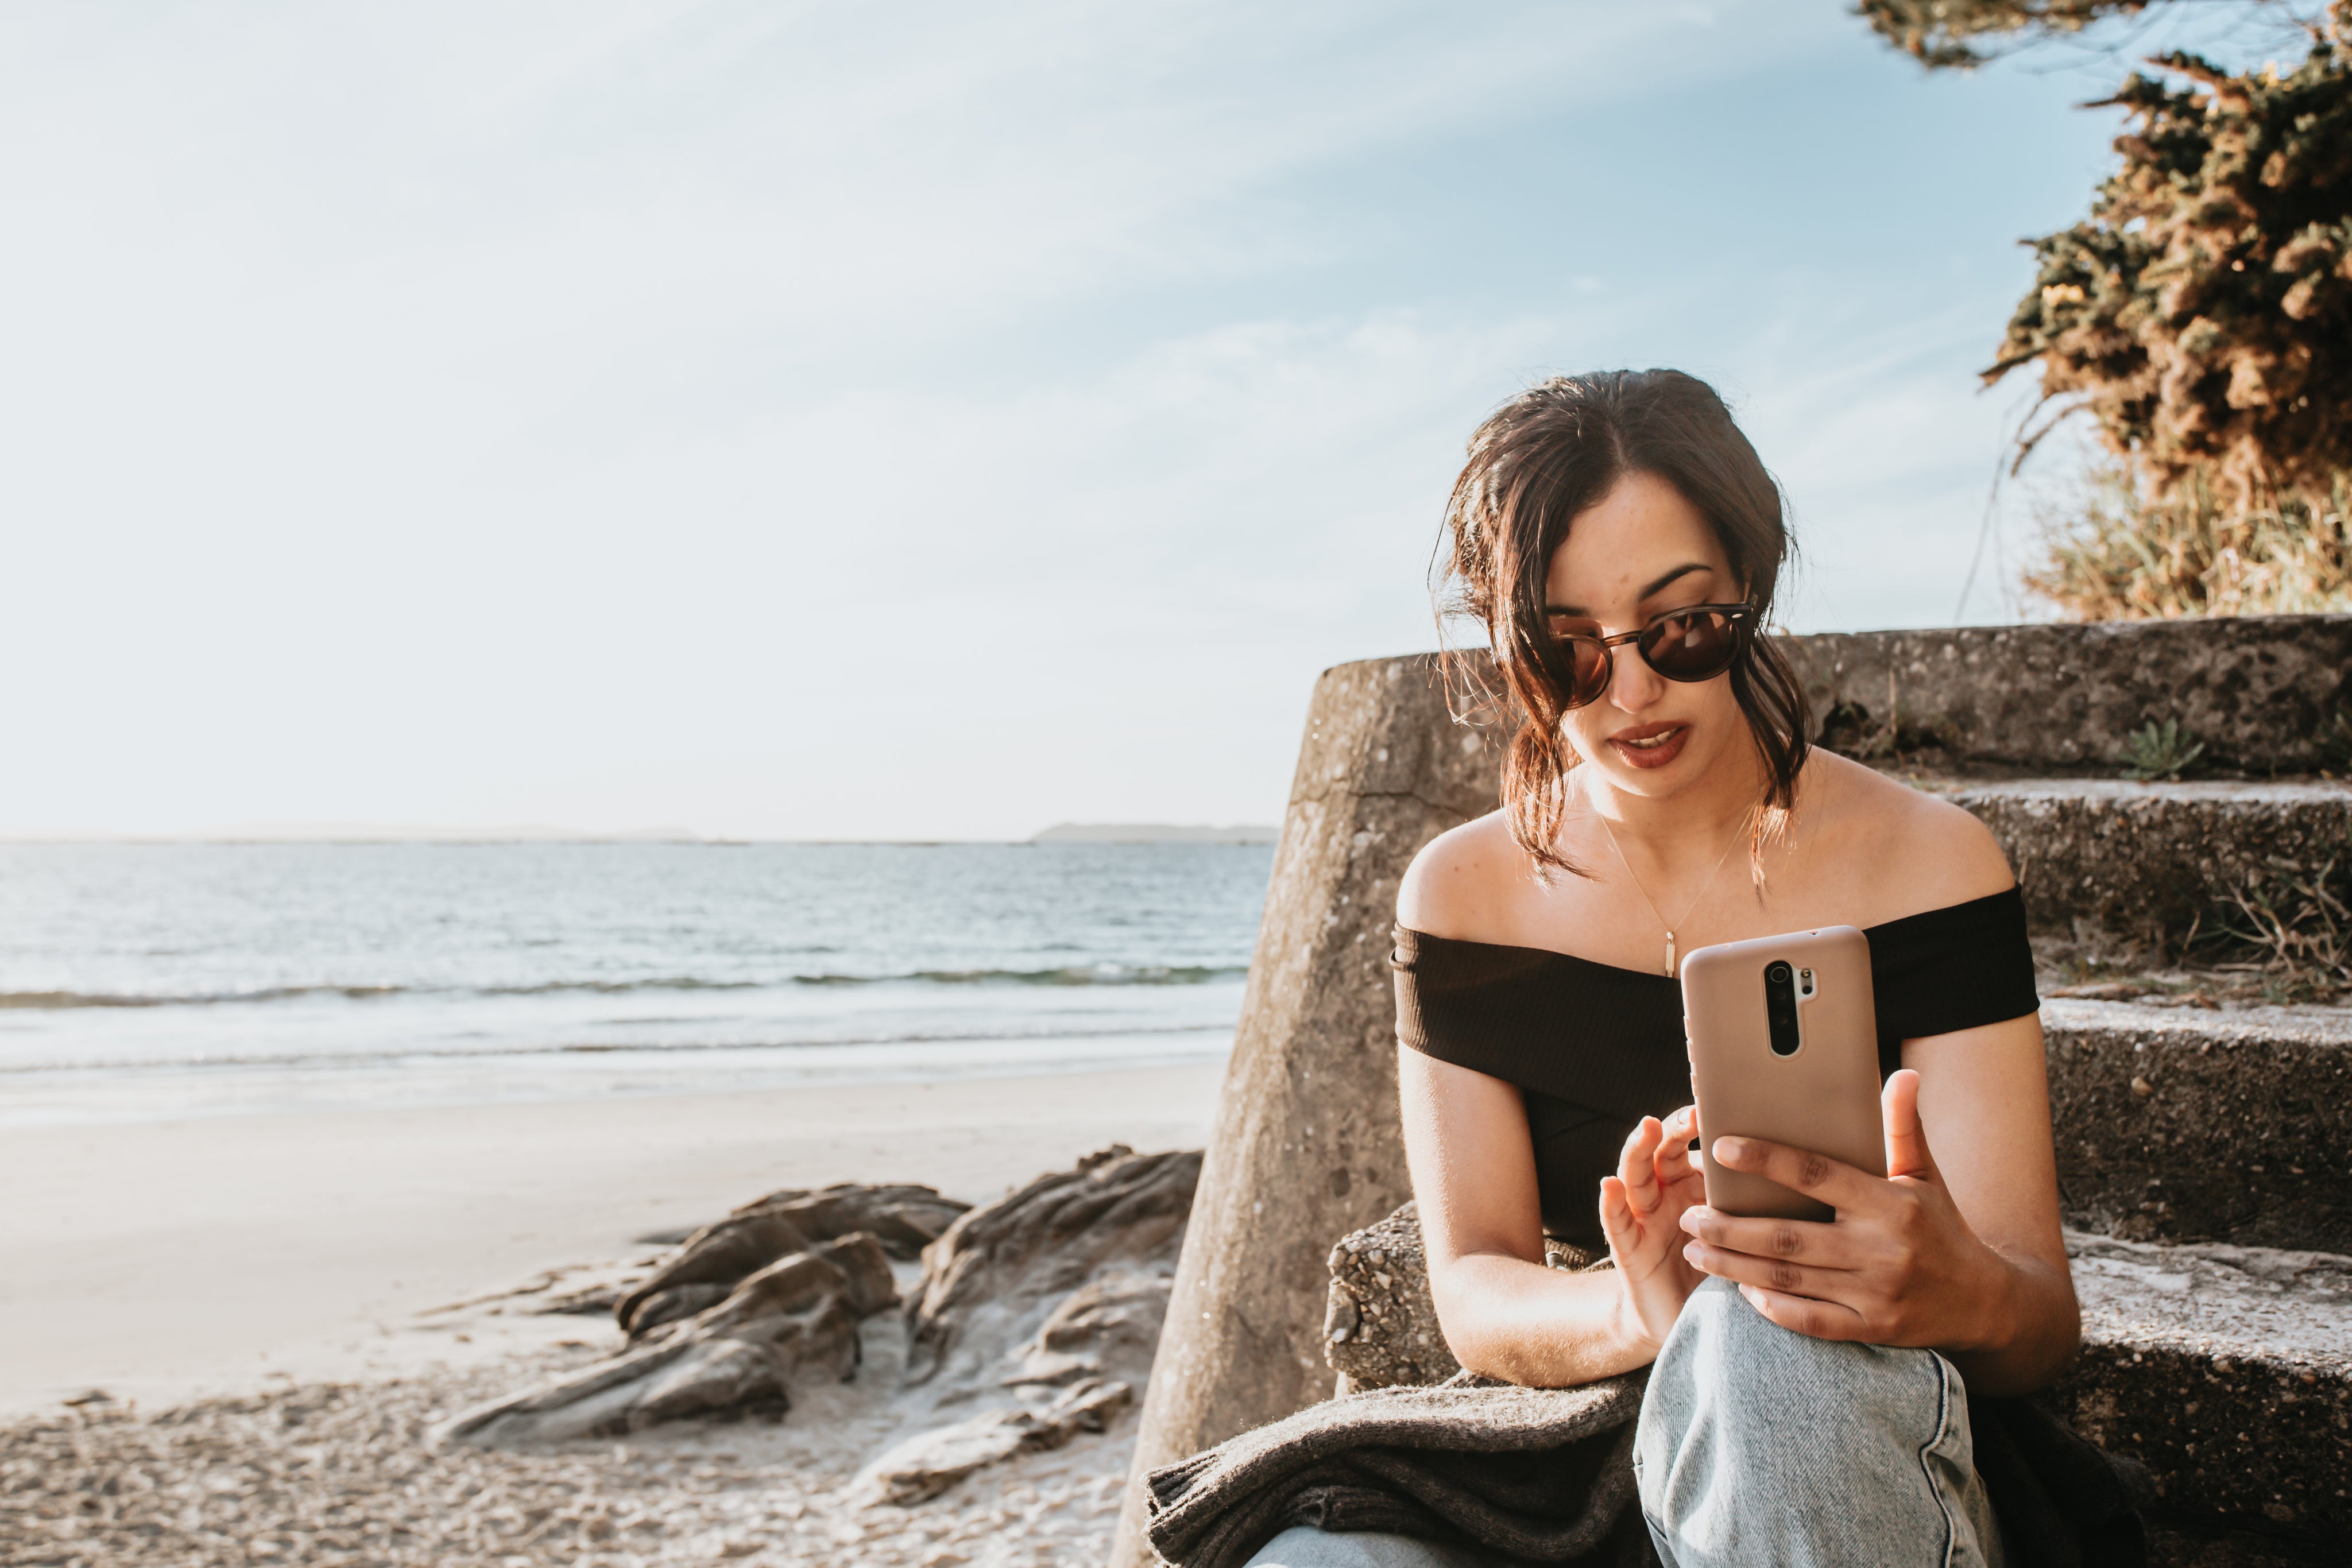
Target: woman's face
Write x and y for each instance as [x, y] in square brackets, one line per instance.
[1638, 552]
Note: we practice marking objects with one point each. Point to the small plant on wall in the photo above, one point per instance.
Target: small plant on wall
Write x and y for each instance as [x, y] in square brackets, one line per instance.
[2162, 751]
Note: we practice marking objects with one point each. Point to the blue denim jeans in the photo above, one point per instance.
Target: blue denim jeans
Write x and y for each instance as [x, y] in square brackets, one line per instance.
[1760, 1446]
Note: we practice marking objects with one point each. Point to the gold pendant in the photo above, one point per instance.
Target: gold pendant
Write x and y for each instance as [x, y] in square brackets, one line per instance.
[1670, 955]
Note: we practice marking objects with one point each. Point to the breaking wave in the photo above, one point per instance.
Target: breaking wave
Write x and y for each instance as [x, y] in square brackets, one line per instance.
[1091, 975]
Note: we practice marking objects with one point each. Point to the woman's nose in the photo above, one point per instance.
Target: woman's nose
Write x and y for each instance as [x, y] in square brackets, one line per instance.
[1632, 684]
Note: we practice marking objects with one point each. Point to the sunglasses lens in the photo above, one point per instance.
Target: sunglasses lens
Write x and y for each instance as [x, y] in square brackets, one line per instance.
[1580, 658]
[1588, 661]
[1696, 647]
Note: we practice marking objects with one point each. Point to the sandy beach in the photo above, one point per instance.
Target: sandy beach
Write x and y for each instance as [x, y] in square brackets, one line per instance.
[159, 1262]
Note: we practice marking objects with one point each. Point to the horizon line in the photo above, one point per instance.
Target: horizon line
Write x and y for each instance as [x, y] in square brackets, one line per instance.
[463, 836]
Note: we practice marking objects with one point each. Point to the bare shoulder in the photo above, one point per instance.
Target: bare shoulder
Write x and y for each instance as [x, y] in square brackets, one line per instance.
[1871, 822]
[1460, 878]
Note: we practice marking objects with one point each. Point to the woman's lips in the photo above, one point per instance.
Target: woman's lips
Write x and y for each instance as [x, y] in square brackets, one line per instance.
[1650, 745]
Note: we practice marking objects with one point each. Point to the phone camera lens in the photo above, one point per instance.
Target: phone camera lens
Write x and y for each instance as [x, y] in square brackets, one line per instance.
[1778, 974]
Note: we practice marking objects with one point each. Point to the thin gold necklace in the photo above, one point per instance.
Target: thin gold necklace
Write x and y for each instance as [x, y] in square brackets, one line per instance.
[1653, 903]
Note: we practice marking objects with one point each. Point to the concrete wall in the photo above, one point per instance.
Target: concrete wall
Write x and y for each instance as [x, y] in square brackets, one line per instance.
[1307, 1148]
[2259, 692]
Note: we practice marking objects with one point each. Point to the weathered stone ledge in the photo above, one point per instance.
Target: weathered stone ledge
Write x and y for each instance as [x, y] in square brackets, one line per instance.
[2226, 1370]
[2260, 693]
[2146, 861]
[2186, 1123]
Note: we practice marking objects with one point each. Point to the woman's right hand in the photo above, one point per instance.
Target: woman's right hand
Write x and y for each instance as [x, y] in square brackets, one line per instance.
[1640, 1213]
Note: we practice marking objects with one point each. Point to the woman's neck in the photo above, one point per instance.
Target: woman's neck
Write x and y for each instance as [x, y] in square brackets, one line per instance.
[1691, 826]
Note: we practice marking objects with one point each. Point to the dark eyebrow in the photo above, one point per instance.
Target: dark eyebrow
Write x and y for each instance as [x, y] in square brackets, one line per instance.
[1674, 576]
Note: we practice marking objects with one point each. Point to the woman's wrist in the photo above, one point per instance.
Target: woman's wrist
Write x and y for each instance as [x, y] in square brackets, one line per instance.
[1995, 1306]
[1635, 1342]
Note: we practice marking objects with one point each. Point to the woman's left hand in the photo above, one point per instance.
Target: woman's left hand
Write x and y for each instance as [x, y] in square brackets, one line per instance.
[1899, 1265]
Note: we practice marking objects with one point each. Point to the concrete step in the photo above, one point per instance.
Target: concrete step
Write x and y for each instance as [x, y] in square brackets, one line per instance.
[2147, 861]
[2227, 1370]
[2188, 1123]
[2261, 691]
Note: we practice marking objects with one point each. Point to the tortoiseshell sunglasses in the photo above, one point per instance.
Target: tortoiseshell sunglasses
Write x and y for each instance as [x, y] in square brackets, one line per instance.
[1698, 643]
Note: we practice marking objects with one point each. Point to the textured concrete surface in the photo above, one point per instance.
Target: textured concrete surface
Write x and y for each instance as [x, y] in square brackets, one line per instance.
[1379, 1326]
[2179, 1123]
[2256, 692]
[2228, 1372]
[1306, 1146]
[2171, 1544]
[2144, 860]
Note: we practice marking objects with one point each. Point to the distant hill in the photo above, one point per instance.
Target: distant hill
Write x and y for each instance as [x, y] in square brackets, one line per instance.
[1152, 833]
[434, 833]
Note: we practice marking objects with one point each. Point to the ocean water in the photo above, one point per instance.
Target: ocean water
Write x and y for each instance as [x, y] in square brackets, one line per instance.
[140, 981]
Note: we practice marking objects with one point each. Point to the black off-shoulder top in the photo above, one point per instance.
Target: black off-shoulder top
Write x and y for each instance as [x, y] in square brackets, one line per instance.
[1593, 1047]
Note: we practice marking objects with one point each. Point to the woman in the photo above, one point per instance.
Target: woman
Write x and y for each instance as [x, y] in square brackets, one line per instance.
[1622, 542]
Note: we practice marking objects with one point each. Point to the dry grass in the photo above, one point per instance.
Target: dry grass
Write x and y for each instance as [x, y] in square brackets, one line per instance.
[2292, 925]
[2131, 557]
[2281, 936]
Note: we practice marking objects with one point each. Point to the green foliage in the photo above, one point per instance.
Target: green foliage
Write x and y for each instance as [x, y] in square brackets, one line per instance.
[2202, 313]
[2126, 557]
[1952, 31]
[2159, 753]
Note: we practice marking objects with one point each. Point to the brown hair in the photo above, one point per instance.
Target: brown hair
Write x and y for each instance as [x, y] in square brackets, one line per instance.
[1553, 452]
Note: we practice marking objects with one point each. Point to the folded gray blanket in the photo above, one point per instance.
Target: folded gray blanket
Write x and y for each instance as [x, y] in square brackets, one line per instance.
[1543, 1474]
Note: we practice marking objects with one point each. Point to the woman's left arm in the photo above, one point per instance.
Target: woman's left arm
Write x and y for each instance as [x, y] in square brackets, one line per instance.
[1959, 1247]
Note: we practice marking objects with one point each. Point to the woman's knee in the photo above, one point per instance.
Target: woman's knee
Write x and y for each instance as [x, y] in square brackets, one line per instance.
[1754, 1439]
[1726, 1354]
[1304, 1546]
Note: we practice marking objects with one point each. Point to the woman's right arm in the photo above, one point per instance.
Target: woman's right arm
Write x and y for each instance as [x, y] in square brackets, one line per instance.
[1504, 1312]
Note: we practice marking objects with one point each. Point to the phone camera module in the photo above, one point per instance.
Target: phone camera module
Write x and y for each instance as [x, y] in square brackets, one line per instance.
[1781, 1008]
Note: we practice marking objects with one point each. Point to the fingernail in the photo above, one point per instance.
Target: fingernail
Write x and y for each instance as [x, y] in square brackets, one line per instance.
[1698, 1214]
[1729, 1148]
[1691, 1253]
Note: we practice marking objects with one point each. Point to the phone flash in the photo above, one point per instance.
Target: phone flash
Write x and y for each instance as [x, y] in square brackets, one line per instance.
[1805, 981]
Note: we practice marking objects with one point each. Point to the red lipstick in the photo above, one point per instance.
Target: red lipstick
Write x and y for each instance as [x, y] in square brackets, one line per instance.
[1650, 745]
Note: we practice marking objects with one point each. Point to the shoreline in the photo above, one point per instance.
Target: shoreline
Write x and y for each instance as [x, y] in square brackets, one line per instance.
[147, 1093]
[165, 1261]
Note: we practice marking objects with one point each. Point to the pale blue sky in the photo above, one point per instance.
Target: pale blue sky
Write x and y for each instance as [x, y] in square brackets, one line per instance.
[930, 421]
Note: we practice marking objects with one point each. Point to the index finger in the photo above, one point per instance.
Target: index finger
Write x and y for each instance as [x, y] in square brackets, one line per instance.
[1816, 1175]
